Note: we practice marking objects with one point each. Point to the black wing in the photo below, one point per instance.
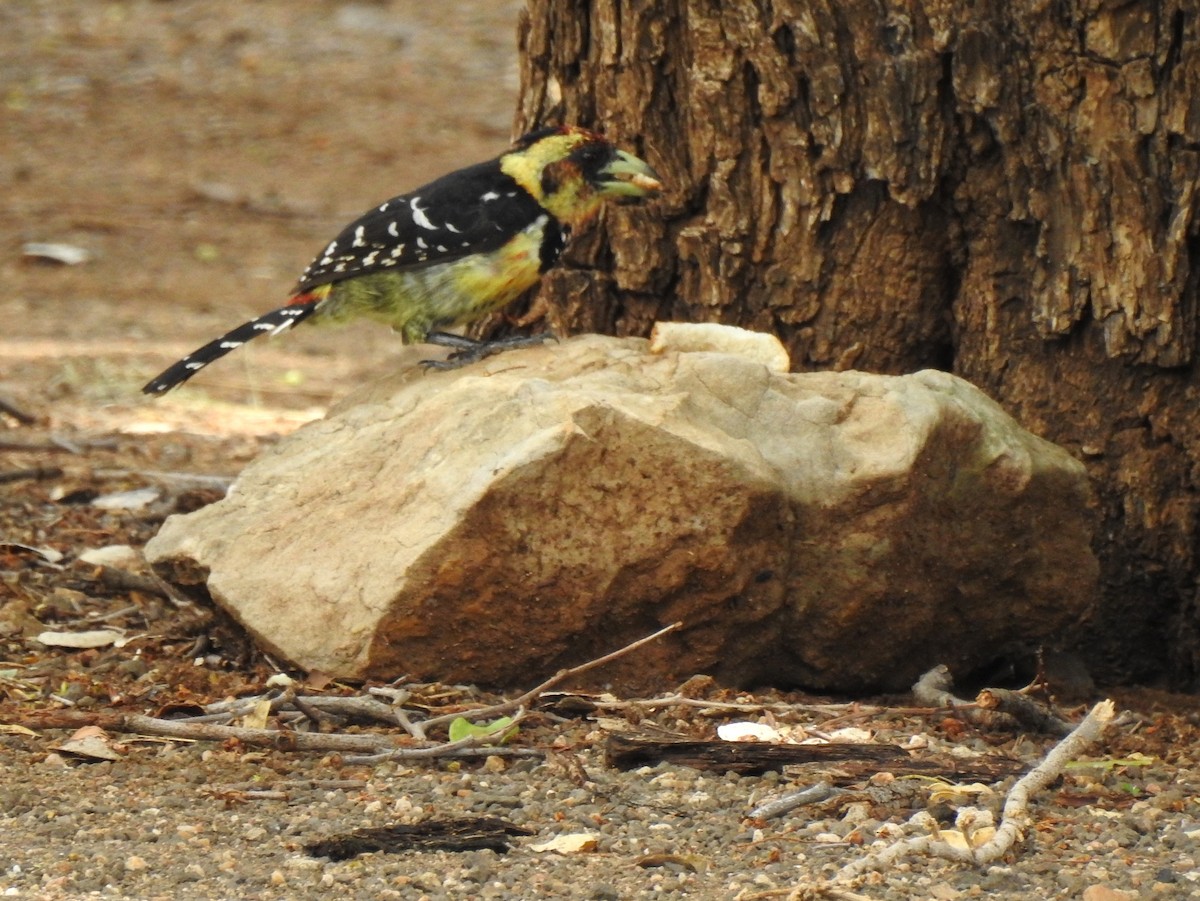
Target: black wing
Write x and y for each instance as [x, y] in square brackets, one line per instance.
[473, 210]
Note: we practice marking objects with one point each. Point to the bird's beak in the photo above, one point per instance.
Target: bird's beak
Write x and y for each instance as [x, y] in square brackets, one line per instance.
[628, 177]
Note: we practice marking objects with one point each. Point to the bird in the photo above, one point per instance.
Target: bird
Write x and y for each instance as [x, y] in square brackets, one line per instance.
[454, 250]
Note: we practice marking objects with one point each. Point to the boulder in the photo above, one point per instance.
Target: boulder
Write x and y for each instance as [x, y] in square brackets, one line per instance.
[835, 531]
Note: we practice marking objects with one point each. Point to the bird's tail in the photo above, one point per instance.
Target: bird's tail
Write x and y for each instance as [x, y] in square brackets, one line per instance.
[270, 323]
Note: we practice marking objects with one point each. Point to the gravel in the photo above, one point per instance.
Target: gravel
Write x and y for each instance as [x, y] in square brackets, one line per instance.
[179, 820]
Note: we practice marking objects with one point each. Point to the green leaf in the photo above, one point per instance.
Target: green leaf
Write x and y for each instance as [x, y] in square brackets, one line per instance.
[1134, 759]
[461, 728]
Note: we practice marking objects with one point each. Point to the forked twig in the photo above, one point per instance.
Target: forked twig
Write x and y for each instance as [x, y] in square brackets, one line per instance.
[534, 693]
[1014, 818]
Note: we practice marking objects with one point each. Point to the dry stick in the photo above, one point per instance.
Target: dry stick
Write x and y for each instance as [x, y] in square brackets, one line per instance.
[1024, 709]
[781, 804]
[533, 694]
[678, 700]
[312, 741]
[177, 480]
[1014, 817]
[32, 472]
[467, 743]
[934, 689]
[356, 707]
[10, 408]
[125, 580]
[1015, 814]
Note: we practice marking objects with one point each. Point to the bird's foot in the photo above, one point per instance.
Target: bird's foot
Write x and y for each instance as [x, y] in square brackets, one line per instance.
[468, 350]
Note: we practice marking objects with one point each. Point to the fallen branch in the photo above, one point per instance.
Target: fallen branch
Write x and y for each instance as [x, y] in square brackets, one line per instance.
[1014, 818]
[934, 689]
[310, 741]
[280, 740]
[678, 700]
[1015, 815]
[457, 834]
[745, 757]
[1025, 710]
[36, 473]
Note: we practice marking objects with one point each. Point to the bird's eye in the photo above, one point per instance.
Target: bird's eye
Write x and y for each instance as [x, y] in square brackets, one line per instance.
[592, 153]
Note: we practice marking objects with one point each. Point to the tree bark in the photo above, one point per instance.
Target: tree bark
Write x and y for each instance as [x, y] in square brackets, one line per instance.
[1003, 190]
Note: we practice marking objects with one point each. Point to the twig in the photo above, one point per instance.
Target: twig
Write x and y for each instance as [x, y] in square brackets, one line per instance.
[782, 804]
[124, 580]
[32, 472]
[316, 708]
[356, 707]
[532, 695]
[1015, 814]
[317, 717]
[441, 750]
[1024, 709]
[934, 689]
[9, 408]
[173, 479]
[1014, 817]
[678, 700]
[383, 746]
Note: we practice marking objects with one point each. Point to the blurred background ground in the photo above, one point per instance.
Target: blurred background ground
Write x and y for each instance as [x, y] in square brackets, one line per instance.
[202, 153]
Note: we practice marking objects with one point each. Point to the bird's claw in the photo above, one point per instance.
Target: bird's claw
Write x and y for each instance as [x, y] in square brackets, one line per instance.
[468, 351]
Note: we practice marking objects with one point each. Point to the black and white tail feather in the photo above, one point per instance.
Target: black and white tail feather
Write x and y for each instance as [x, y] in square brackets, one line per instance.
[272, 323]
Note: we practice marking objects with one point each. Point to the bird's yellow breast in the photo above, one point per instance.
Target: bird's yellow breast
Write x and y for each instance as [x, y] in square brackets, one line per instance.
[418, 301]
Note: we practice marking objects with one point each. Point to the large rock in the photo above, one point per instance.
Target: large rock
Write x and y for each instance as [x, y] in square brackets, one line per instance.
[839, 531]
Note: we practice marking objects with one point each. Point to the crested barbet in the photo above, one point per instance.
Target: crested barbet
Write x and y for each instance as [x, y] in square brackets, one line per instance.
[454, 250]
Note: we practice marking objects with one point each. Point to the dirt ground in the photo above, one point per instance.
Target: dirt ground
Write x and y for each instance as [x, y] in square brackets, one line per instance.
[201, 153]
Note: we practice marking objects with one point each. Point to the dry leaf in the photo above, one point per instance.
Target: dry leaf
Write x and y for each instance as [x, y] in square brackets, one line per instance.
[576, 843]
[746, 731]
[89, 742]
[956, 795]
[94, 638]
[257, 718]
[111, 555]
[64, 254]
[956, 838]
[127, 500]
[690, 861]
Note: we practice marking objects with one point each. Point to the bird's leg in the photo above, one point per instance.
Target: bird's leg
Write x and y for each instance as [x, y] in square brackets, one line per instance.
[468, 350]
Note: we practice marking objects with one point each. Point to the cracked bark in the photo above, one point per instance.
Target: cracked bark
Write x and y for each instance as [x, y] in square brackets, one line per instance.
[1007, 191]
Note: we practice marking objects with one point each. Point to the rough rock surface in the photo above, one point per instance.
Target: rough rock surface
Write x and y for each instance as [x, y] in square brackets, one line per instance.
[838, 531]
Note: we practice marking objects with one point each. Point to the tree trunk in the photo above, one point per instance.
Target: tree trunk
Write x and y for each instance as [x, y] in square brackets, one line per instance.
[1003, 190]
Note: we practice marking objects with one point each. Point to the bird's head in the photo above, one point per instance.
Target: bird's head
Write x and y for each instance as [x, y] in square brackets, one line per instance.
[571, 172]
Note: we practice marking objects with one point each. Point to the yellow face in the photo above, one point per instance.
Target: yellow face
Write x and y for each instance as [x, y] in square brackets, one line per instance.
[572, 171]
